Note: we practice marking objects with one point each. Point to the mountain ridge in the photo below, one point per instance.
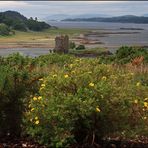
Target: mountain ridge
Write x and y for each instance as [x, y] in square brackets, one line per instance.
[115, 19]
[59, 17]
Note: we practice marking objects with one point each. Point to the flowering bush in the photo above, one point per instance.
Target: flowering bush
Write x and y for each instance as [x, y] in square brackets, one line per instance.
[15, 86]
[85, 101]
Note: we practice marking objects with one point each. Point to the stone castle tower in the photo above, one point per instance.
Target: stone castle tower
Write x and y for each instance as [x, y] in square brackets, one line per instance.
[61, 44]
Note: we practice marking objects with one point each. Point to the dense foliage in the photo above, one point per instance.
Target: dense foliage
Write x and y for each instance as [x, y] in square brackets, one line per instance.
[125, 55]
[18, 80]
[16, 75]
[85, 101]
[35, 25]
[61, 100]
[80, 47]
[16, 21]
[72, 45]
[4, 30]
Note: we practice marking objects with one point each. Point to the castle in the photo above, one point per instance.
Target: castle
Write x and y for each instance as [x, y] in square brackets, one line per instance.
[61, 44]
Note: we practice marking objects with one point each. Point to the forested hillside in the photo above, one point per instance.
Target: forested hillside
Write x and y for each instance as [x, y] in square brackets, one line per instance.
[15, 20]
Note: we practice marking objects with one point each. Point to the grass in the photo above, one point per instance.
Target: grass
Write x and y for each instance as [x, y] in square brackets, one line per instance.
[31, 39]
[44, 36]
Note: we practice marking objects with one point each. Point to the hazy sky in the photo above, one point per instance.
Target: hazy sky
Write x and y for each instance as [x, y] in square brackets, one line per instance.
[42, 9]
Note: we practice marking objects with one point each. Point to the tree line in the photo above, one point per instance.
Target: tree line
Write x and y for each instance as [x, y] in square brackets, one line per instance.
[12, 20]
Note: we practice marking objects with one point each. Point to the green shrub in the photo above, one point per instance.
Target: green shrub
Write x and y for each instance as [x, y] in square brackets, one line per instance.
[80, 47]
[4, 29]
[54, 59]
[64, 100]
[85, 101]
[12, 89]
[18, 25]
[17, 82]
[72, 45]
[36, 26]
[125, 54]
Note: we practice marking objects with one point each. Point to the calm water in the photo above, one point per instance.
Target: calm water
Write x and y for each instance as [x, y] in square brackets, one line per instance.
[112, 41]
[96, 25]
[32, 52]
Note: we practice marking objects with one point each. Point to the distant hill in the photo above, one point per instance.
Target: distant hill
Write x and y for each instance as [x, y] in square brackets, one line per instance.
[146, 15]
[14, 15]
[120, 19]
[59, 17]
[15, 20]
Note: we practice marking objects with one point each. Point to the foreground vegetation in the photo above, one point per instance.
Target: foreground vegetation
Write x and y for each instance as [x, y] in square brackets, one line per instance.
[62, 100]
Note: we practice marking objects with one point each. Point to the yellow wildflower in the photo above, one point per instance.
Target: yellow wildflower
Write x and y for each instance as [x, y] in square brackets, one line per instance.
[37, 122]
[146, 99]
[66, 76]
[89, 72]
[41, 79]
[55, 75]
[144, 118]
[32, 109]
[104, 78]
[40, 97]
[71, 65]
[136, 101]
[91, 84]
[34, 98]
[145, 104]
[36, 118]
[98, 109]
[138, 84]
[42, 85]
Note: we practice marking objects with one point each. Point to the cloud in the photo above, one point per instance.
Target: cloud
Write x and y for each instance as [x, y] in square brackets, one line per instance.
[42, 9]
[9, 4]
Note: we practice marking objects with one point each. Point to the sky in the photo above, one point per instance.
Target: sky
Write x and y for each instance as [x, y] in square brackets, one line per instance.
[42, 9]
